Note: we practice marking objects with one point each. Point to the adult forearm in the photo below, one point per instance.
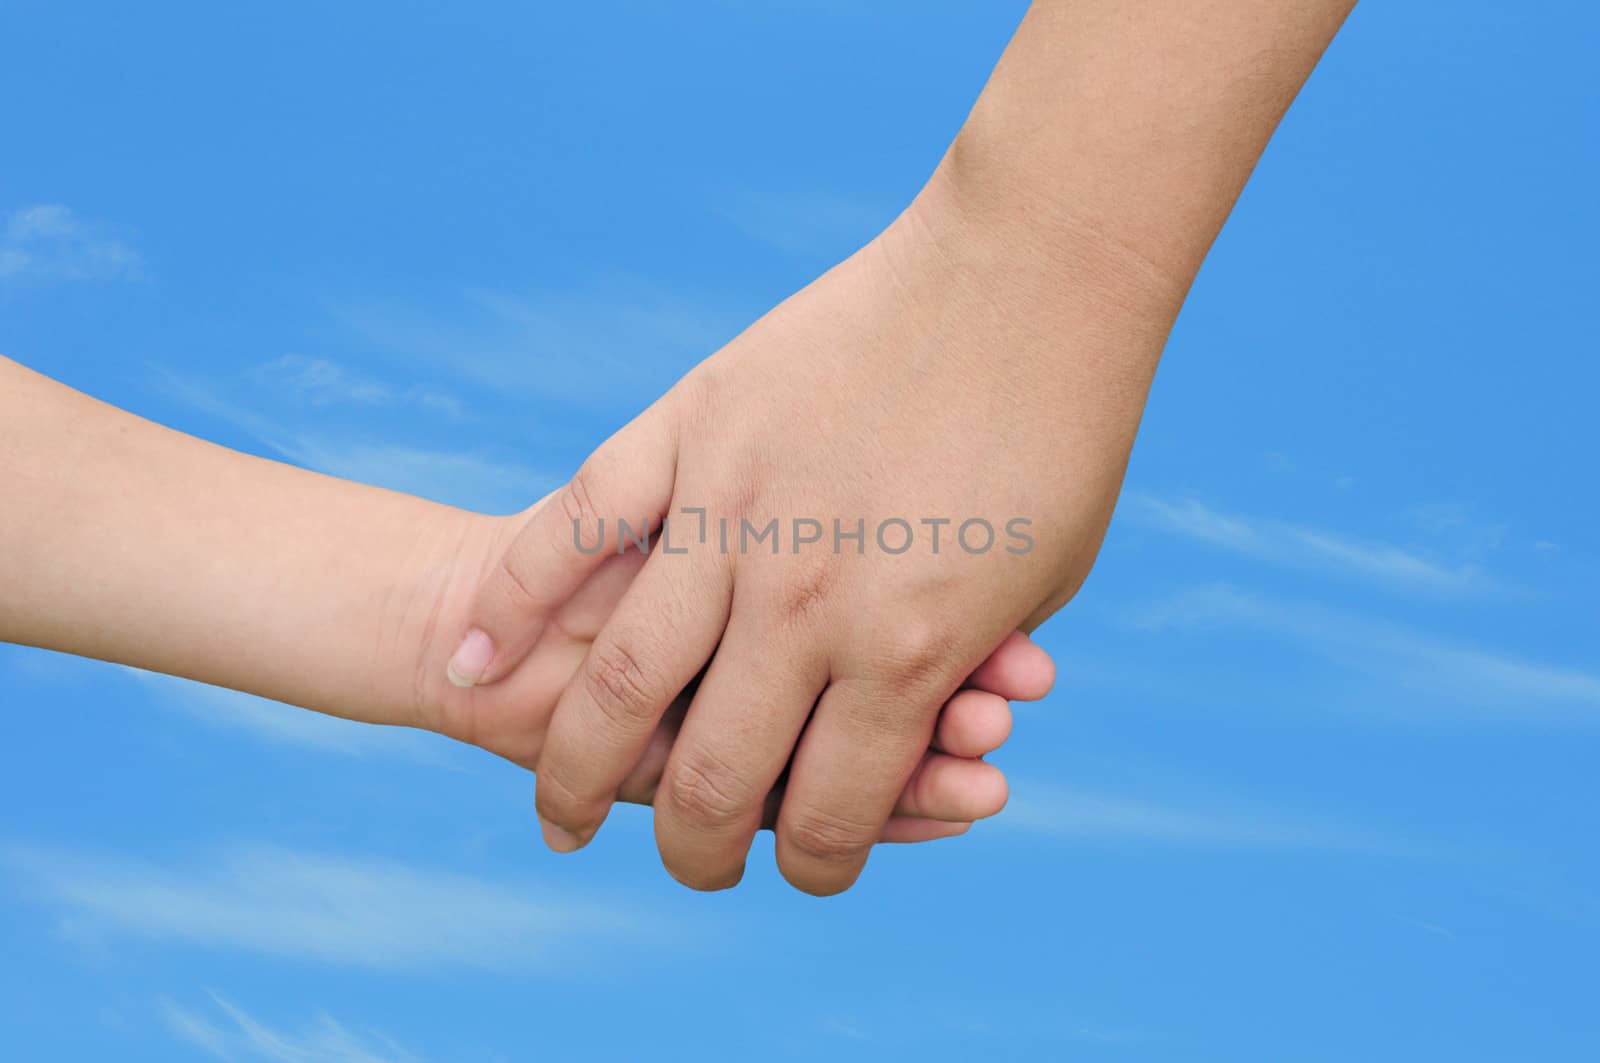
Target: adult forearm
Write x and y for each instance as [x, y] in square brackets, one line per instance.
[125, 541]
[1119, 133]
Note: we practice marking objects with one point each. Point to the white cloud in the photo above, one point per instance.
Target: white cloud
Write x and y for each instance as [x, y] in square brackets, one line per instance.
[1417, 669]
[50, 242]
[1429, 928]
[324, 909]
[617, 344]
[285, 724]
[456, 477]
[812, 225]
[233, 1034]
[1282, 543]
[472, 481]
[842, 1026]
[318, 382]
[1086, 815]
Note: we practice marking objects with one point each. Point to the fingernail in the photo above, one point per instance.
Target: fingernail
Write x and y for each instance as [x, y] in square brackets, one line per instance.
[559, 839]
[471, 659]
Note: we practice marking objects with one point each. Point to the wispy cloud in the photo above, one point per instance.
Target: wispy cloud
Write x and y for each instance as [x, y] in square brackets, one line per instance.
[969, 1016]
[325, 909]
[843, 1026]
[50, 242]
[619, 343]
[807, 8]
[1429, 928]
[1420, 670]
[809, 224]
[1085, 815]
[465, 477]
[1295, 545]
[319, 383]
[284, 724]
[228, 1032]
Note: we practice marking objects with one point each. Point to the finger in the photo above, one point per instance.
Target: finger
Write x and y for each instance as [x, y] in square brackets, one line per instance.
[1018, 670]
[628, 479]
[904, 829]
[858, 751]
[733, 747]
[658, 640]
[974, 723]
[639, 788]
[591, 605]
[953, 790]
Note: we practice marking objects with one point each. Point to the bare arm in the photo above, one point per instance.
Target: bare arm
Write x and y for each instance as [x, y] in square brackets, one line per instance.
[126, 541]
[1132, 123]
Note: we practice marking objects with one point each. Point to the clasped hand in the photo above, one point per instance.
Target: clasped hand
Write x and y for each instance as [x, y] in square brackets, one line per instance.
[864, 494]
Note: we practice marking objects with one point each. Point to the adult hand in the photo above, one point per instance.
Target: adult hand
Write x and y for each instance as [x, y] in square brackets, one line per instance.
[952, 786]
[987, 358]
[903, 386]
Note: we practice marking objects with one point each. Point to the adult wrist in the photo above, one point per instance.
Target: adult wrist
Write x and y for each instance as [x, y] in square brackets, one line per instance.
[1049, 300]
[1023, 236]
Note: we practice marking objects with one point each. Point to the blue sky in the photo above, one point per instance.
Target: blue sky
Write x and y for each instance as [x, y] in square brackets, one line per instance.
[1321, 777]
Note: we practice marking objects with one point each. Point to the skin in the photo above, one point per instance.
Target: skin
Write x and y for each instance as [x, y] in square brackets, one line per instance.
[988, 355]
[141, 545]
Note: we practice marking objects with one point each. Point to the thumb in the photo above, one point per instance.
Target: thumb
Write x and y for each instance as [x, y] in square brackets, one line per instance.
[569, 536]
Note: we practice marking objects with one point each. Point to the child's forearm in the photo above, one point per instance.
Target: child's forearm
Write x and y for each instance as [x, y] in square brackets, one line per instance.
[126, 541]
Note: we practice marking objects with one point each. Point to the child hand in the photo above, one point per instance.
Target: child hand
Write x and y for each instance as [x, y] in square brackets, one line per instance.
[950, 788]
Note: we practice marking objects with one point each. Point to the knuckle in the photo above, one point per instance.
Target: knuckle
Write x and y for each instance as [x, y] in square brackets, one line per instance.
[804, 592]
[742, 482]
[826, 838]
[577, 498]
[618, 685]
[704, 792]
[890, 716]
[919, 652]
[696, 393]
